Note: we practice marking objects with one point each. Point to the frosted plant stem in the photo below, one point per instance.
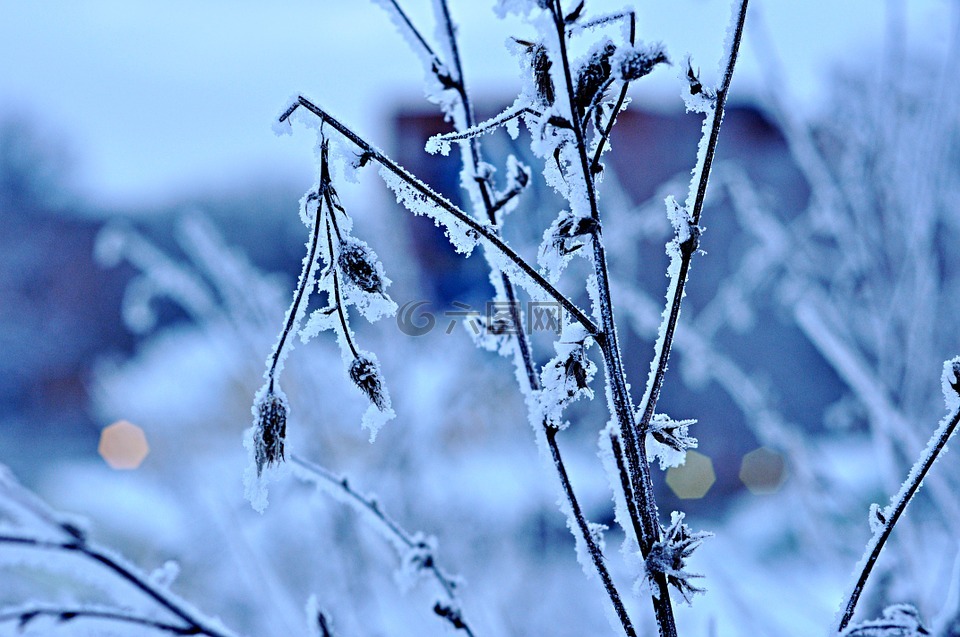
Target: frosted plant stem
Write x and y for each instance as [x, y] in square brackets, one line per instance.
[195, 625]
[533, 381]
[935, 447]
[304, 283]
[655, 383]
[447, 584]
[637, 465]
[605, 133]
[64, 614]
[483, 230]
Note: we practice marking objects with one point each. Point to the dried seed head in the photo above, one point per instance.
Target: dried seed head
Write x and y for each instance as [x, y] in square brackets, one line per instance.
[271, 430]
[635, 62]
[593, 74]
[359, 265]
[541, 64]
[365, 374]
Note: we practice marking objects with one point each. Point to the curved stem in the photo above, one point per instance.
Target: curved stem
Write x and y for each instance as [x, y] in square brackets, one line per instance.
[399, 534]
[483, 230]
[526, 355]
[26, 615]
[910, 487]
[135, 580]
[304, 282]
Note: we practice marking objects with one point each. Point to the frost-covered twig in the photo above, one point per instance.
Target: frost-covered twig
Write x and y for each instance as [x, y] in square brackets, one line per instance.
[647, 526]
[693, 210]
[469, 131]
[538, 283]
[195, 624]
[883, 520]
[414, 550]
[56, 533]
[24, 615]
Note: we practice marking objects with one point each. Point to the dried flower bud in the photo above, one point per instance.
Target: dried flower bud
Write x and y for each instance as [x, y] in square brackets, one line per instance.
[359, 265]
[955, 383]
[271, 430]
[365, 374]
[635, 62]
[593, 75]
[541, 65]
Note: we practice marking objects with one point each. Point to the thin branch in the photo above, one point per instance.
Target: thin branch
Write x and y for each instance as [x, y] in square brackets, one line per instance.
[24, 615]
[937, 444]
[485, 231]
[486, 126]
[656, 382]
[526, 355]
[317, 474]
[639, 469]
[303, 283]
[128, 574]
[605, 133]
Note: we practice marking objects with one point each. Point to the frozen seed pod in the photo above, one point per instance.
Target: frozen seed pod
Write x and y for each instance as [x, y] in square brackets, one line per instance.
[271, 430]
[359, 265]
[365, 374]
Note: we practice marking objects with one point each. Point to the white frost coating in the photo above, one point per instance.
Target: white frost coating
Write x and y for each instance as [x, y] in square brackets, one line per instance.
[414, 560]
[441, 143]
[629, 546]
[281, 129]
[551, 256]
[679, 218]
[374, 419]
[566, 378]
[949, 380]
[667, 440]
[463, 238]
[166, 575]
[307, 281]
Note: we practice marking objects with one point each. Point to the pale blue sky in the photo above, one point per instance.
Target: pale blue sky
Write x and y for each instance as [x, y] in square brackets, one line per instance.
[160, 97]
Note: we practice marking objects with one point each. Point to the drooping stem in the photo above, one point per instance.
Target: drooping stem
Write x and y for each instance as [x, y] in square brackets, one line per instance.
[605, 133]
[306, 280]
[63, 614]
[936, 446]
[481, 229]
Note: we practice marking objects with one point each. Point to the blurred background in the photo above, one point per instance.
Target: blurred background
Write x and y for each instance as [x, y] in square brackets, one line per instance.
[152, 241]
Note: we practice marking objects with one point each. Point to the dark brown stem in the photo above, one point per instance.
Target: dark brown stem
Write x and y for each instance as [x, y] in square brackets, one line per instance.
[298, 298]
[25, 615]
[533, 381]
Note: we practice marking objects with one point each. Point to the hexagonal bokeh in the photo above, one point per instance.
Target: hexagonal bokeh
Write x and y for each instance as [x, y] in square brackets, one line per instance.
[123, 445]
[693, 478]
[762, 471]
